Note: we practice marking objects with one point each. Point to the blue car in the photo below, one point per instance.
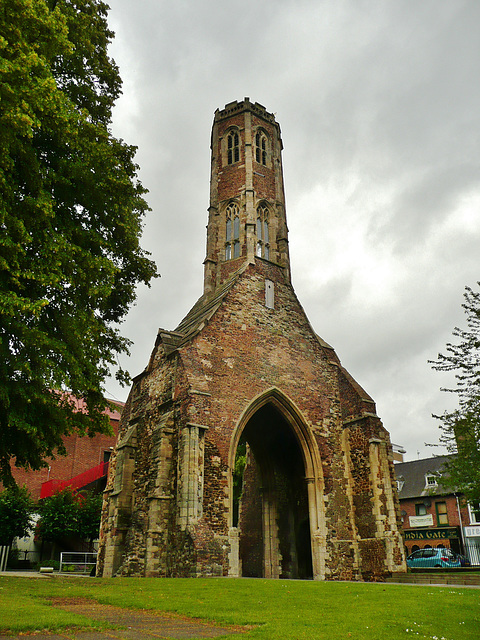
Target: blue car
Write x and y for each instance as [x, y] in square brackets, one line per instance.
[425, 558]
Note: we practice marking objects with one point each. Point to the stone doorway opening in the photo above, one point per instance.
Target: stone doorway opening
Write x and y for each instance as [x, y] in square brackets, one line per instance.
[270, 504]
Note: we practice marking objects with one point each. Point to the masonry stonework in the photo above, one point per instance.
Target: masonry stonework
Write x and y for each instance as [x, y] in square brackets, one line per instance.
[245, 366]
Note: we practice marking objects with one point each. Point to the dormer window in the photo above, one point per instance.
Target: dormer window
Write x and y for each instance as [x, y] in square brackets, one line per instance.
[232, 232]
[261, 148]
[430, 480]
[233, 147]
[263, 234]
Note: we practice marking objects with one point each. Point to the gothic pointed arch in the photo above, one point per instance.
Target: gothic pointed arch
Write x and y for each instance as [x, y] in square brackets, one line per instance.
[232, 230]
[232, 146]
[277, 514]
[261, 146]
[296, 420]
[263, 230]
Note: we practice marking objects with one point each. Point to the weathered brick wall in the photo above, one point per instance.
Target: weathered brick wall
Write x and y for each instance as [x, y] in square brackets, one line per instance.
[83, 453]
[262, 370]
[242, 352]
[232, 176]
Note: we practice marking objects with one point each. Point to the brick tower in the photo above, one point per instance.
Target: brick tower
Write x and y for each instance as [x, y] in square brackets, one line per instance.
[245, 448]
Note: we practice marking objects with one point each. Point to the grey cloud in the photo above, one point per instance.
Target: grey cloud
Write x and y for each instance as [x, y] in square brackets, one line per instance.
[383, 95]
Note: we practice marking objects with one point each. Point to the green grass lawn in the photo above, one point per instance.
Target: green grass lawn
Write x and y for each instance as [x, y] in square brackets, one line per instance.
[278, 609]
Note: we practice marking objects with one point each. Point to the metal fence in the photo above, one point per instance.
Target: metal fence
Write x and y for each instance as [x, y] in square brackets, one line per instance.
[4, 557]
[472, 552]
[77, 562]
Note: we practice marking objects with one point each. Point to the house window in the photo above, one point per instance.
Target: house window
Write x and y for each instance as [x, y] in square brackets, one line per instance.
[430, 481]
[474, 511]
[263, 234]
[261, 148]
[233, 147]
[420, 509]
[232, 231]
[442, 515]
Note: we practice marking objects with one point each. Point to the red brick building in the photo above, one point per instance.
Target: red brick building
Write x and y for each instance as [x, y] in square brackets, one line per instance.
[433, 514]
[245, 367]
[83, 453]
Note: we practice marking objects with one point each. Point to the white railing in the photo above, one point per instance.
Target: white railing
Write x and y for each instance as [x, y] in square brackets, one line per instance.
[77, 562]
[4, 558]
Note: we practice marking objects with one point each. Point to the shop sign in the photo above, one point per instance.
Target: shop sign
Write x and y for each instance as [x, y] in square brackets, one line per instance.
[431, 534]
[472, 532]
[421, 521]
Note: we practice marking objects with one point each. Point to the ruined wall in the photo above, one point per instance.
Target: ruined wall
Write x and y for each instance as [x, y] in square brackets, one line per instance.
[186, 411]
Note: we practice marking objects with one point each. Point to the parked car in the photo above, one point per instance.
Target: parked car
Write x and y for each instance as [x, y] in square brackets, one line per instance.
[445, 558]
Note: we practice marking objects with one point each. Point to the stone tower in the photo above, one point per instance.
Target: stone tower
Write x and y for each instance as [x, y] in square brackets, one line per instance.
[245, 448]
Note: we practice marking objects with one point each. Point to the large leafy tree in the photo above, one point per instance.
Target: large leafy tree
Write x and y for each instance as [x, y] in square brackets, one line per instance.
[71, 210]
[16, 511]
[461, 427]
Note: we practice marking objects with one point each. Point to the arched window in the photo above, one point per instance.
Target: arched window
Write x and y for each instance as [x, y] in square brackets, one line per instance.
[232, 232]
[263, 236]
[233, 147]
[261, 148]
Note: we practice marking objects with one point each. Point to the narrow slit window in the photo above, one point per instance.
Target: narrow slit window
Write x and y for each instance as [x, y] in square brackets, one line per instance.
[263, 247]
[232, 231]
[261, 148]
[233, 147]
[264, 150]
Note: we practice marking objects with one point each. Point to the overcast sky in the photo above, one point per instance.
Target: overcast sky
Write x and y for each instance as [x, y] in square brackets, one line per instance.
[379, 106]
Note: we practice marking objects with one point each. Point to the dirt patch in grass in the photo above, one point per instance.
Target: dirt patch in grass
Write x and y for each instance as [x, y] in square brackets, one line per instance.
[142, 623]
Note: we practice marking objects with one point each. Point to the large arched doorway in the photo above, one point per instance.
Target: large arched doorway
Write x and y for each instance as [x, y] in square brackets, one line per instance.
[271, 507]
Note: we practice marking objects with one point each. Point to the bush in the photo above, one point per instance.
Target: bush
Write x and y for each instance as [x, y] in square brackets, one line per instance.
[55, 564]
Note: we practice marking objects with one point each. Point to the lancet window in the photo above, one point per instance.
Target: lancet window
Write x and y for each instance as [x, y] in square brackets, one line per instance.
[233, 147]
[261, 147]
[263, 239]
[232, 231]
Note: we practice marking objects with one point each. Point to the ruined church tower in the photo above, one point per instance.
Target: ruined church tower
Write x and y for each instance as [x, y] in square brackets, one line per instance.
[245, 448]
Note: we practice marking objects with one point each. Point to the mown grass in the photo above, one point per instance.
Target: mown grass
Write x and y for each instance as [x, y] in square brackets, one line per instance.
[277, 609]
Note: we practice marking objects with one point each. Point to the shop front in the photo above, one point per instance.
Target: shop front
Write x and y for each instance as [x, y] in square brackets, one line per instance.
[446, 537]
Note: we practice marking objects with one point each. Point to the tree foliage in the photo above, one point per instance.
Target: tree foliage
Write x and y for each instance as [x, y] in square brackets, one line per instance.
[16, 510]
[461, 427]
[58, 516]
[90, 510]
[67, 514]
[71, 210]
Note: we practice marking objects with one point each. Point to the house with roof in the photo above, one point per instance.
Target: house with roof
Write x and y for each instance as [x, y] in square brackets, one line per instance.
[434, 514]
